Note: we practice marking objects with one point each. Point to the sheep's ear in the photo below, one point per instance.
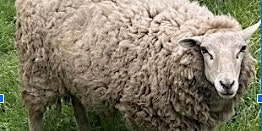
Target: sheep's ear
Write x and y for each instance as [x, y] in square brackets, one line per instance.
[247, 33]
[191, 42]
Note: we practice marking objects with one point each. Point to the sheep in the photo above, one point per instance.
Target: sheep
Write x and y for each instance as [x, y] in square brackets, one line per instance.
[165, 65]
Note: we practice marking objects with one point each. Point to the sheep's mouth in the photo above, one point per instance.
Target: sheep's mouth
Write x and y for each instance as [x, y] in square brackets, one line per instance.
[227, 95]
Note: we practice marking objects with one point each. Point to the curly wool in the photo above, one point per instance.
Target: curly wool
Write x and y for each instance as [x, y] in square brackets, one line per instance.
[124, 54]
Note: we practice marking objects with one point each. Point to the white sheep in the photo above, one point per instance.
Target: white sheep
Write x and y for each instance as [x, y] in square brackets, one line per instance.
[165, 64]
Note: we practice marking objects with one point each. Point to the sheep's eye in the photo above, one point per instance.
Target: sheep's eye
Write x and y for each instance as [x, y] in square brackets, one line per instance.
[243, 48]
[203, 49]
[211, 57]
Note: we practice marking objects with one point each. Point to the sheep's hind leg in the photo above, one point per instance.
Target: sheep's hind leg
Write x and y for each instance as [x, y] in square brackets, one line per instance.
[80, 115]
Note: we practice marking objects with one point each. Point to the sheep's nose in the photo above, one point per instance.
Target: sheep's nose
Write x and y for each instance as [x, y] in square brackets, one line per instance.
[227, 84]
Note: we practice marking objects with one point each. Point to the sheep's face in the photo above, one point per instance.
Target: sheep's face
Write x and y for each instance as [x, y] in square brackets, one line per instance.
[223, 54]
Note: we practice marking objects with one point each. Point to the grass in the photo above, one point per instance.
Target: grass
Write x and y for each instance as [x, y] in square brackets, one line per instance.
[13, 116]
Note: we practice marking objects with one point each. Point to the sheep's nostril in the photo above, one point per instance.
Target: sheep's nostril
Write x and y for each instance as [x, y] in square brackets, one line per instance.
[232, 83]
[221, 83]
[226, 84]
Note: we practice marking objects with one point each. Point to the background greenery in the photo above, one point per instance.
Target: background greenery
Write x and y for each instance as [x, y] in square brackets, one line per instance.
[13, 116]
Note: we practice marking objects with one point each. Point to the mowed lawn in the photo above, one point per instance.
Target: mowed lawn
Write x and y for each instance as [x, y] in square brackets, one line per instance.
[13, 116]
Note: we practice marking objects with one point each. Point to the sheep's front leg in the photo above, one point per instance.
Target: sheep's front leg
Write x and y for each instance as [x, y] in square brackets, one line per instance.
[80, 115]
[35, 120]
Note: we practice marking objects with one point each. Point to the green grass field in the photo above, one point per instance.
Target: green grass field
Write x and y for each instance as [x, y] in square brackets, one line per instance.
[13, 116]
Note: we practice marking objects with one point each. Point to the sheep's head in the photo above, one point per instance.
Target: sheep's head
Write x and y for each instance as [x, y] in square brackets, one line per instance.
[223, 55]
